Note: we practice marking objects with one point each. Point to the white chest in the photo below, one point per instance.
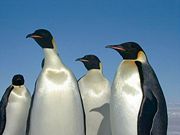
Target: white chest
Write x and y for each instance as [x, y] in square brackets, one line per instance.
[56, 107]
[95, 91]
[17, 112]
[126, 99]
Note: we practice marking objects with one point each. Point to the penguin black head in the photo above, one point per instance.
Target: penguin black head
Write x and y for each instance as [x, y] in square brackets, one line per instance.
[18, 80]
[42, 37]
[90, 62]
[128, 50]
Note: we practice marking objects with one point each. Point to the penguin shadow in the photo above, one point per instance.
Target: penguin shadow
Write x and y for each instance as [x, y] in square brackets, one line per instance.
[104, 128]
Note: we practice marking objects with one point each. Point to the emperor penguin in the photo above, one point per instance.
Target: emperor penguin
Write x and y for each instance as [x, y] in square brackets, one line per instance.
[95, 92]
[137, 103]
[14, 108]
[56, 107]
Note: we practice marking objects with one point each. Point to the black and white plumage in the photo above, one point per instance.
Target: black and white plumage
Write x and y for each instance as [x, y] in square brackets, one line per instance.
[137, 104]
[95, 92]
[56, 108]
[14, 108]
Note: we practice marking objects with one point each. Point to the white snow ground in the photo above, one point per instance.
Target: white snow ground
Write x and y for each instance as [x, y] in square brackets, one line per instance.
[174, 119]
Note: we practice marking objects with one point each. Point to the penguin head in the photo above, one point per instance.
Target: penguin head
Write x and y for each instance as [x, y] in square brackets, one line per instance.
[43, 38]
[90, 62]
[18, 80]
[128, 50]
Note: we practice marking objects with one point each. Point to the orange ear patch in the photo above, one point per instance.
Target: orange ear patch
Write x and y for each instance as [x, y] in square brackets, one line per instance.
[141, 56]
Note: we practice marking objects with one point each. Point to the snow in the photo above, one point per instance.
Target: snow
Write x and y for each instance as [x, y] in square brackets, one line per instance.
[174, 119]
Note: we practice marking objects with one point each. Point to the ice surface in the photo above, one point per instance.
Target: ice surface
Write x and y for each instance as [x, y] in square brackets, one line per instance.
[174, 119]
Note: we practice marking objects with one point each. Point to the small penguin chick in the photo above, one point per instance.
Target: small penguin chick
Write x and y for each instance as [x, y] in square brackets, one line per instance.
[14, 107]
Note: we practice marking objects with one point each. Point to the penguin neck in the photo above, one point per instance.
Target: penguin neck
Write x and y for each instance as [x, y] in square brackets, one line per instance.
[20, 90]
[94, 72]
[94, 76]
[52, 59]
[100, 70]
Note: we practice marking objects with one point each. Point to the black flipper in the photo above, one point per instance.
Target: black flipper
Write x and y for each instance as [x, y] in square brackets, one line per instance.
[28, 124]
[42, 63]
[3, 105]
[146, 115]
[153, 104]
[29, 116]
[84, 115]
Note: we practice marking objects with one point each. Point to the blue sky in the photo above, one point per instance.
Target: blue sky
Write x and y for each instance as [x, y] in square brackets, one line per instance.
[83, 27]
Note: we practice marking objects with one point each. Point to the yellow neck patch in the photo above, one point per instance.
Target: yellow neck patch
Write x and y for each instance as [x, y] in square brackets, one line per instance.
[101, 68]
[141, 56]
[54, 45]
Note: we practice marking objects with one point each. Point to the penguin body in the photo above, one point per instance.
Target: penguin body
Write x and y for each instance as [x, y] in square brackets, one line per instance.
[56, 108]
[95, 92]
[14, 108]
[137, 104]
[125, 100]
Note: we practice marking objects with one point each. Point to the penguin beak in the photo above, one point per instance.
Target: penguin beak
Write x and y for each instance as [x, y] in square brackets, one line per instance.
[29, 35]
[116, 47]
[81, 59]
[32, 35]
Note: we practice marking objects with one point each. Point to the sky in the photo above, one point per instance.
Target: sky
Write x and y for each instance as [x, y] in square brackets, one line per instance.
[82, 27]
